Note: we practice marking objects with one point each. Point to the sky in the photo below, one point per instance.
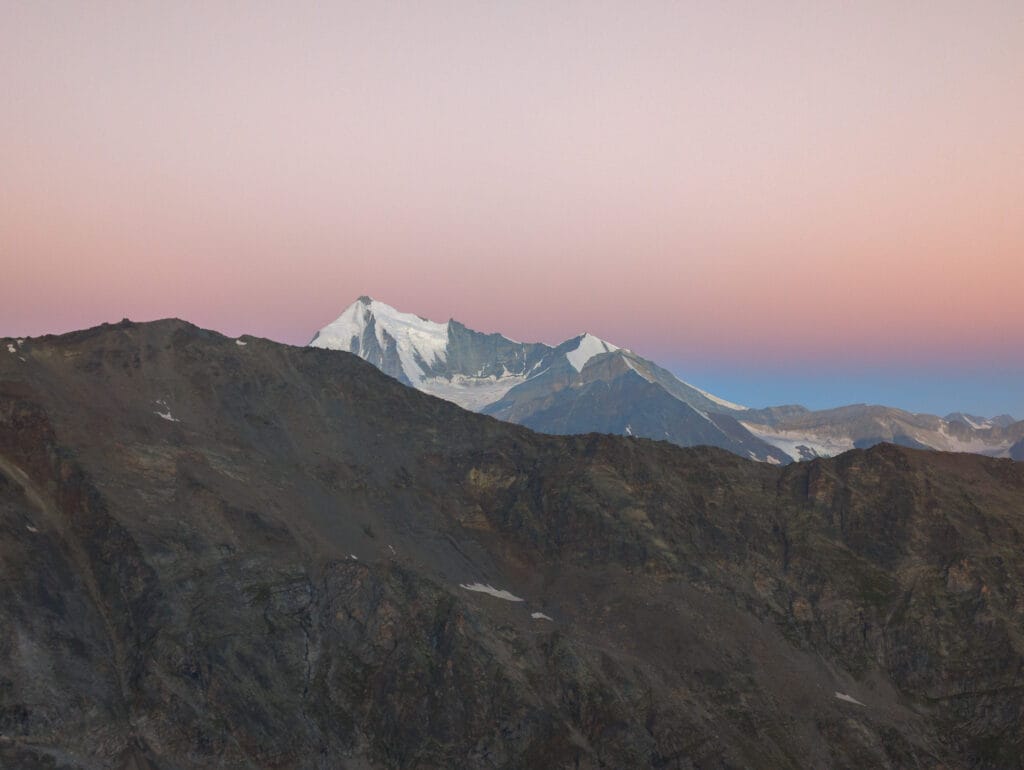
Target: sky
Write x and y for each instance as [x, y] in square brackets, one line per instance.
[813, 202]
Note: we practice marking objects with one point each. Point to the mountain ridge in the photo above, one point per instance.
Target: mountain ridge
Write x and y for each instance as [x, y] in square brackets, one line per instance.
[230, 551]
[549, 388]
[554, 389]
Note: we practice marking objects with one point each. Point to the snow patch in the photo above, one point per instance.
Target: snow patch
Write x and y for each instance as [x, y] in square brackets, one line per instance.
[588, 347]
[353, 557]
[473, 393]
[848, 698]
[497, 593]
[715, 399]
[165, 415]
[540, 616]
[11, 348]
[240, 343]
[800, 446]
[31, 529]
[632, 366]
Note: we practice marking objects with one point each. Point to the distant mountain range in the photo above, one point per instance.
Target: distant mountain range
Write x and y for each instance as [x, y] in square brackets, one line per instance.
[586, 384]
[233, 553]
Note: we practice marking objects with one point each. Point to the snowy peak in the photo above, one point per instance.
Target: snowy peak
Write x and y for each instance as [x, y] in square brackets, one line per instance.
[588, 347]
[404, 345]
[447, 360]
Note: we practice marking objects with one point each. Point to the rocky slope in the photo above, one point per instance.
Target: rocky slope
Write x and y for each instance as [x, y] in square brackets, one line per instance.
[234, 553]
[804, 434]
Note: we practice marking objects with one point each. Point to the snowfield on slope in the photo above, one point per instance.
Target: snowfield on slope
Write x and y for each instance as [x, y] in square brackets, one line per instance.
[486, 588]
[788, 441]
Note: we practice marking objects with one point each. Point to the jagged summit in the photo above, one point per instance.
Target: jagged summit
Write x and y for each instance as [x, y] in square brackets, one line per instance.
[587, 384]
[588, 347]
[404, 345]
[582, 385]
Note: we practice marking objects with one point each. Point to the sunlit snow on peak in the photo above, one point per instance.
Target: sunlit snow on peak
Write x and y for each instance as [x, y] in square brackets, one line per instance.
[416, 338]
[588, 347]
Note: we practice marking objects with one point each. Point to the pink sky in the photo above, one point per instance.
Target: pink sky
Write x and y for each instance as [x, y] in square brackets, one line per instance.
[734, 181]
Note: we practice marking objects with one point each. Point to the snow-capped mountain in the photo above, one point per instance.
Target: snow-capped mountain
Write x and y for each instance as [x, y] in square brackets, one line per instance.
[586, 384]
[446, 360]
[583, 385]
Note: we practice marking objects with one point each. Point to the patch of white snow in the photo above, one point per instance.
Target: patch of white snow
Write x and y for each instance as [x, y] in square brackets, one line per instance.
[978, 425]
[240, 343]
[848, 698]
[790, 442]
[712, 397]
[473, 393]
[497, 593]
[540, 616]
[588, 347]
[30, 528]
[633, 366]
[167, 416]
[11, 348]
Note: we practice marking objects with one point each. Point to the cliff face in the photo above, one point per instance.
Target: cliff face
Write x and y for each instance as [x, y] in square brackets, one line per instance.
[241, 554]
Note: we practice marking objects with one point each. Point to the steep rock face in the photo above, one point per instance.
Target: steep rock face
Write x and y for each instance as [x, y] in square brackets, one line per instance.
[234, 553]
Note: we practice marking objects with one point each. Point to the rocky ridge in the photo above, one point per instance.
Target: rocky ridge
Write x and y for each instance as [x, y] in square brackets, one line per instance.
[235, 553]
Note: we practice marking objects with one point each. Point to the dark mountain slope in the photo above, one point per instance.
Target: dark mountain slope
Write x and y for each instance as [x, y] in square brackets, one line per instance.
[251, 555]
[610, 396]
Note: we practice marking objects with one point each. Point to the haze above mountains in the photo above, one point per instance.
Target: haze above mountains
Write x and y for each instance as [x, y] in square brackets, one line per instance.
[587, 384]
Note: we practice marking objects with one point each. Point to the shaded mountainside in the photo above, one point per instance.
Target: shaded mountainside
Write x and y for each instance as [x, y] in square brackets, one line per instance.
[588, 385]
[234, 553]
[610, 395]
